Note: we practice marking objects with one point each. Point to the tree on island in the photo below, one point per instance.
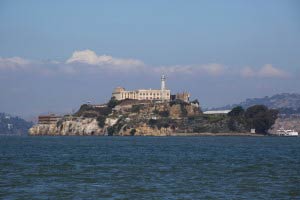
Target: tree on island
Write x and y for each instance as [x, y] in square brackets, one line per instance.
[258, 117]
[237, 120]
[236, 112]
[261, 118]
[113, 102]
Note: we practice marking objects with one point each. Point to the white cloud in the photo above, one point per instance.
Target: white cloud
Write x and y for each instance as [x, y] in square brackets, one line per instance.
[213, 69]
[248, 72]
[266, 71]
[13, 63]
[90, 57]
[269, 71]
[88, 61]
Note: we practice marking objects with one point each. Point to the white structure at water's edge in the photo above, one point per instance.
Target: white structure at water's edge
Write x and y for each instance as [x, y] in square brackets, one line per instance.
[215, 112]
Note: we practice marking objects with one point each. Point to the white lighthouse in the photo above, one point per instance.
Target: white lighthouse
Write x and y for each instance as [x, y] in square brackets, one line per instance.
[163, 82]
[163, 87]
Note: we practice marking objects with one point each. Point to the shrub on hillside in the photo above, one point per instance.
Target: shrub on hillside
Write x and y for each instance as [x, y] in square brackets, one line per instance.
[101, 121]
[113, 102]
[164, 113]
[132, 132]
[136, 108]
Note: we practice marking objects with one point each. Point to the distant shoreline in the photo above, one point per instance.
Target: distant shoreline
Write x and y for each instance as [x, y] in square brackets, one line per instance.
[218, 134]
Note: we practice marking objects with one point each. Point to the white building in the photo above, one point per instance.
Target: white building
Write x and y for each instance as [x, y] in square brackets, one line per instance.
[162, 94]
[215, 112]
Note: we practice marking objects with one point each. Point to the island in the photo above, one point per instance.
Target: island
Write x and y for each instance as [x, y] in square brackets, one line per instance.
[154, 112]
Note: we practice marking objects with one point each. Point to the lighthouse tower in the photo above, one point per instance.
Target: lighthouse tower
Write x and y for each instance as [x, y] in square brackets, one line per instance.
[163, 87]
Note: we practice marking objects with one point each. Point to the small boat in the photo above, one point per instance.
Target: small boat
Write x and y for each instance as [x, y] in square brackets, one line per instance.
[284, 132]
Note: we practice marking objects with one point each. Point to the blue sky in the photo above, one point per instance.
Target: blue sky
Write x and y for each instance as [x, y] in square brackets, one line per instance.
[220, 51]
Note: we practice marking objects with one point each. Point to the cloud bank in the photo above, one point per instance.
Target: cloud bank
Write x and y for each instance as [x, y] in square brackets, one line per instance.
[14, 63]
[87, 61]
[266, 71]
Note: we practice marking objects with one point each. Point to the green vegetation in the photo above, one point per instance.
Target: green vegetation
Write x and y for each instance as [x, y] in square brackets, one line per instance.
[113, 102]
[162, 123]
[236, 112]
[214, 118]
[132, 132]
[237, 122]
[110, 131]
[259, 117]
[201, 129]
[207, 123]
[152, 123]
[89, 111]
[164, 113]
[136, 108]
[101, 121]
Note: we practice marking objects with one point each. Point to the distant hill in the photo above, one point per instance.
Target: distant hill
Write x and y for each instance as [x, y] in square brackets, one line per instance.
[286, 103]
[10, 125]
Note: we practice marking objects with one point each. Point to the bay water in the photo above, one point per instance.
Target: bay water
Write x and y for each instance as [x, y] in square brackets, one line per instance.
[149, 167]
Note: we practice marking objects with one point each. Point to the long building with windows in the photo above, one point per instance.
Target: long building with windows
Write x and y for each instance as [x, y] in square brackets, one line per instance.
[144, 94]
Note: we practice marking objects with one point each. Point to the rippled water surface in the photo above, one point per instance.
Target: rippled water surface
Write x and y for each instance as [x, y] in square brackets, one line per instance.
[149, 168]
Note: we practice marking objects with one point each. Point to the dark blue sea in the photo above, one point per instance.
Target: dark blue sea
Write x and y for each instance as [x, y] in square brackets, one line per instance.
[149, 167]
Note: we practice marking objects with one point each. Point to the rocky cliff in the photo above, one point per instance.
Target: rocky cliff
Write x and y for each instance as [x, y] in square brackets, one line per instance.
[69, 126]
[128, 117]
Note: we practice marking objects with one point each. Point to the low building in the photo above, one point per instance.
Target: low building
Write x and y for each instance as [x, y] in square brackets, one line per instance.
[48, 119]
[99, 105]
[215, 112]
[162, 94]
[184, 96]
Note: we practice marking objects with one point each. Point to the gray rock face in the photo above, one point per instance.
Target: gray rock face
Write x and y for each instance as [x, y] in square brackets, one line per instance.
[69, 126]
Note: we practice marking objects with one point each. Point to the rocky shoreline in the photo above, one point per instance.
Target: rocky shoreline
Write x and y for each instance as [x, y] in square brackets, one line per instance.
[169, 135]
